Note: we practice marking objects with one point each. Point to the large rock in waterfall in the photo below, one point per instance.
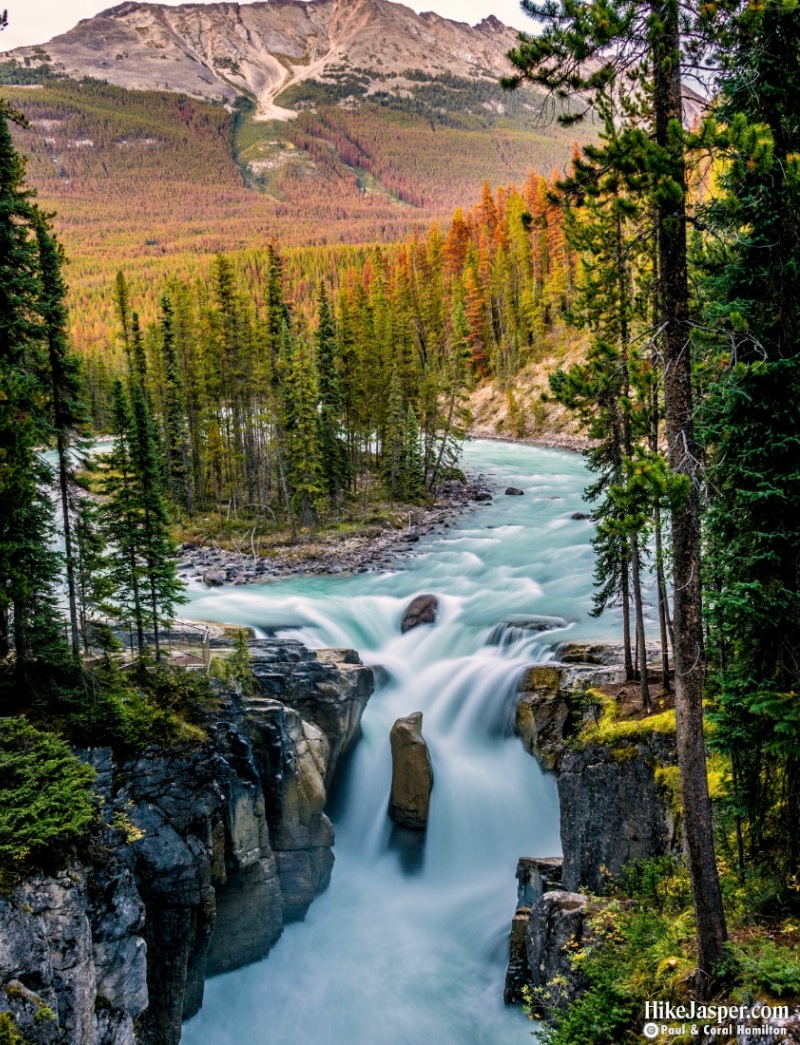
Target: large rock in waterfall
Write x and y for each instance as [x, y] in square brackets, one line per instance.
[421, 610]
[412, 774]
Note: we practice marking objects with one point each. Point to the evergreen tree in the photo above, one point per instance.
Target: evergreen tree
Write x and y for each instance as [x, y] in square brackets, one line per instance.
[176, 445]
[582, 51]
[304, 454]
[135, 522]
[332, 450]
[67, 408]
[752, 269]
[393, 448]
[29, 620]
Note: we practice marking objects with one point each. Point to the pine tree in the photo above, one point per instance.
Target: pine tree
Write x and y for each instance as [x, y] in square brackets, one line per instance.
[393, 447]
[67, 408]
[580, 54]
[29, 621]
[176, 446]
[304, 454]
[135, 522]
[751, 271]
[332, 450]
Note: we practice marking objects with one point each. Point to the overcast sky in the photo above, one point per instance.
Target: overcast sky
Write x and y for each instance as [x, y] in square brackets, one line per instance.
[36, 21]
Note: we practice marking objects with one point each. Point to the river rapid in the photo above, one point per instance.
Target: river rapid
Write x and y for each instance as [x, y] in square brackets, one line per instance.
[408, 944]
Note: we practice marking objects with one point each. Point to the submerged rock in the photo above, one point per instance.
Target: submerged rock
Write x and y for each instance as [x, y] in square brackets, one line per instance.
[514, 491]
[412, 774]
[421, 610]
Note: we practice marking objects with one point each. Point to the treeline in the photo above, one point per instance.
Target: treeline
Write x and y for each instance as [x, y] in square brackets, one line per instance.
[116, 567]
[690, 393]
[261, 413]
[503, 271]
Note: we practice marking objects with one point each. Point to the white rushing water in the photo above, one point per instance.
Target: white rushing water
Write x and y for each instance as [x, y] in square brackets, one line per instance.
[408, 946]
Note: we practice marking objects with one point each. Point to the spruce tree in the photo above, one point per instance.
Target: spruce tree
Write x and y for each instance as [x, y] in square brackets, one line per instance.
[29, 620]
[331, 402]
[582, 51]
[176, 445]
[304, 452]
[750, 424]
[67, 407]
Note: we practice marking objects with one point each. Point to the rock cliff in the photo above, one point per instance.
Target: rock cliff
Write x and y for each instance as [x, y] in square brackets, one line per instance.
[613, 812]
[206, 854]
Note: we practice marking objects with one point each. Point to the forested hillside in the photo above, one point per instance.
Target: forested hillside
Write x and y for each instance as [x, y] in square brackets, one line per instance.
[156, 183]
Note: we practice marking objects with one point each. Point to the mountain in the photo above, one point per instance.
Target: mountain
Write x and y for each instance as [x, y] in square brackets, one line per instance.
[161, 134]
[222, 51]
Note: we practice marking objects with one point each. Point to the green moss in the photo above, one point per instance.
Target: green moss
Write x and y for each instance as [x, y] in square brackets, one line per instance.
[9, 1034]
[610, 730]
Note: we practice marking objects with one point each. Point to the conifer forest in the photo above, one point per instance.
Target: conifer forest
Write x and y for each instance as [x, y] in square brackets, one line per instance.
[372, 397]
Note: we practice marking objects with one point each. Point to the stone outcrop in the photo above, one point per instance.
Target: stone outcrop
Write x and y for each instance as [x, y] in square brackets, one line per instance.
[421, 610]
[613, 812]
[72, 960]
[412, 774]
[226, 842]
[328, 688]
[535, 877]
[559, 924]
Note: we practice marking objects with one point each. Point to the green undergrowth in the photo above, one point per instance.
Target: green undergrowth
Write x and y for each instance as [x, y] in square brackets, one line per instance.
[46, 801]
[642, 948]
[131, 708]
[47, 806]
[609, 729]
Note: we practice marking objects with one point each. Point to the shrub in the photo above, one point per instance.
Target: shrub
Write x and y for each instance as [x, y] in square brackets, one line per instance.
[46, 801]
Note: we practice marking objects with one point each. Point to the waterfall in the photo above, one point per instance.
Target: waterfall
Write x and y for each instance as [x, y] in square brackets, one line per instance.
[408, 944]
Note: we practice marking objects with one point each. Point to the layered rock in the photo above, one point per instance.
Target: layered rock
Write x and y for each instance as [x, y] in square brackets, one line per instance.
[72, 959]
[559, 924]
[412, 774]
[535, 877]
[227, 841]
[613, 812]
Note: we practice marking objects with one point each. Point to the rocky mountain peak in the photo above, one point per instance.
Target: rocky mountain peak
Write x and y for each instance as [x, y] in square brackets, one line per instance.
[222, 51]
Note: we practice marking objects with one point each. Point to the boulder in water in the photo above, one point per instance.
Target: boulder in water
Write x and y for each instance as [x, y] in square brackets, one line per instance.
[580, 515]
[514, 491]
[412, 774]
[482, 495]
[215, 578]
[421, 610]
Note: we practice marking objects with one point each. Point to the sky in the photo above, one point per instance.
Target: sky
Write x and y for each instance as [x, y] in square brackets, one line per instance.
[36, 21]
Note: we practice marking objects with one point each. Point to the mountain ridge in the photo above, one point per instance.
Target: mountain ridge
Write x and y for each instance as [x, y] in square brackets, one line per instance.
[225, 51]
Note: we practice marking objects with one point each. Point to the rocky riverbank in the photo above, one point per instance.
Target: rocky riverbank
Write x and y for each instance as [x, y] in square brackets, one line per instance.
[613, 810]
[371, 548]
[204, 854]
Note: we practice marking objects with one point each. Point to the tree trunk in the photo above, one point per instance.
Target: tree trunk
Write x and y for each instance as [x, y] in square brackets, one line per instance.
[641, 647]
[63, 482]
[663, 606]
[626, 619]
[689, 667]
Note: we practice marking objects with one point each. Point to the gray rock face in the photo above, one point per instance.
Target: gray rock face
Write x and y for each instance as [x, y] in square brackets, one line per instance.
[72, 962]
[535, 877]
[558, 924]
[421, 610]
[412, 774]
[328, 688]
[230, 840]
[612, 811]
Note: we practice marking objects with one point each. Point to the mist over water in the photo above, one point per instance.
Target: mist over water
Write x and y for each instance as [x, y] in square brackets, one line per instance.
[409, 943]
